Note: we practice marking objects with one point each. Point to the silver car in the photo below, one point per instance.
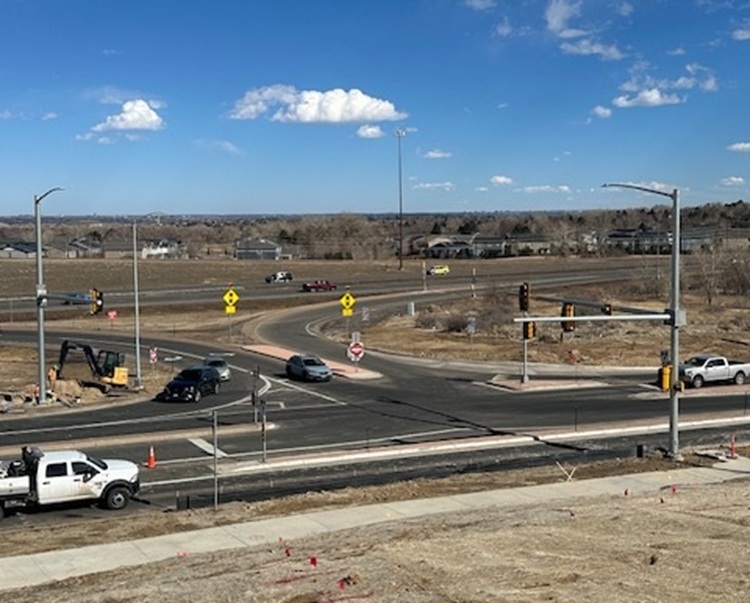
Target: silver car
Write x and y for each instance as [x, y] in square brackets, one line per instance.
[221, 366]
[308, 367]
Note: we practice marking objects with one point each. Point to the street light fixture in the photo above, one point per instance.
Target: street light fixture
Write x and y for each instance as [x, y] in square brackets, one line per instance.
[41, 294]
[399, 134]
[677, 316]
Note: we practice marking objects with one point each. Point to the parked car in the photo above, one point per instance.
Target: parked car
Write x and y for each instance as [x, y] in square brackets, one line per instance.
[191, 384]
[279, 277]
[308, 367]
[438, 270]
[319, 286]
[221, 366]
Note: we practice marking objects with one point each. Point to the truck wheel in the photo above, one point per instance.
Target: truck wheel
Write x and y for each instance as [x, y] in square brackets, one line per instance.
[697, 381]
[117, 498]
[739, 378]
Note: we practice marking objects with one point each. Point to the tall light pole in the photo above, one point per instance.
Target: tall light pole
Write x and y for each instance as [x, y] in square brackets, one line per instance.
[41, 294]
[399, 134]
[677, 315]
[137, 307]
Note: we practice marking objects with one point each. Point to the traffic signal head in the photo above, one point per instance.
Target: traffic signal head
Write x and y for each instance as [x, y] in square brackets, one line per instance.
[529, 330]
[524, 290]
[97, 301]
[568, 310]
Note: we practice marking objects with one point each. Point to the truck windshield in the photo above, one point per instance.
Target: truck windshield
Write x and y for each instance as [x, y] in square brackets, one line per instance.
[96, 462]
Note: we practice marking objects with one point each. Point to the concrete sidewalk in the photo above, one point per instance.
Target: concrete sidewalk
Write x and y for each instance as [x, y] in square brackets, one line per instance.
[29, 570]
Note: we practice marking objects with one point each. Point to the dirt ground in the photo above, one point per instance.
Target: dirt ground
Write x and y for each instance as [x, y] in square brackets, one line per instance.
[685, 547]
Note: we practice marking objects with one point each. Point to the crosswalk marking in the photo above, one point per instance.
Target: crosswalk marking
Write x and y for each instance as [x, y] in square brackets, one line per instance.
[207, 447]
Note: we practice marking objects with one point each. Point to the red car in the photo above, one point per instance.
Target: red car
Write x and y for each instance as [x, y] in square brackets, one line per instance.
[319, 286]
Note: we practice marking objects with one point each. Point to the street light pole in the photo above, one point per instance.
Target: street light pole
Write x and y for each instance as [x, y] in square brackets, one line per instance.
[677, 316]
[41, 294]
[399, 135]
[137, 308]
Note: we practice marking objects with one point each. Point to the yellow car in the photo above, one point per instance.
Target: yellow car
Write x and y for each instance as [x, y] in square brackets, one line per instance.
[436, 270]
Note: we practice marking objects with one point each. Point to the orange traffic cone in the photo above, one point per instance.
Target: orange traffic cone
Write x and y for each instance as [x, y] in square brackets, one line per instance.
[151, 462]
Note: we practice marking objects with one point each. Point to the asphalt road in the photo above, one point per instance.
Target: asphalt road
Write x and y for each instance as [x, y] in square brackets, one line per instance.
[412, 403]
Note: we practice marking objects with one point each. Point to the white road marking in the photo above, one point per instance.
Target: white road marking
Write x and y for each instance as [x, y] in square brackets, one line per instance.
[206, 447]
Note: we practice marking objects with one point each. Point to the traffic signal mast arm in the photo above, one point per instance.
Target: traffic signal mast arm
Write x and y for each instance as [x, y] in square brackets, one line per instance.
[594, 318]
[602, 307]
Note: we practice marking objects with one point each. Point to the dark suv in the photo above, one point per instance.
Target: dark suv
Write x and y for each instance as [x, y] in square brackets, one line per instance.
[191, 384]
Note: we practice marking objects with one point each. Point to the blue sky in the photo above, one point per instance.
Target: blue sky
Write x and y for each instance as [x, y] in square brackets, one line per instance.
[292, 106]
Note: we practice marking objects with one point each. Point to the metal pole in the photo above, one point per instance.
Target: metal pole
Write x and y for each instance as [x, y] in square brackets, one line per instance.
[137, 307]
[399, 135]
[215, 428]
[41, 295]
[40, 301]
[263, 429]
[674, 388]
[677, 319]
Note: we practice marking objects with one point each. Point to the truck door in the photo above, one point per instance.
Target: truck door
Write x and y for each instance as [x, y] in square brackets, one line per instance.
[716, 369]
[59, 483]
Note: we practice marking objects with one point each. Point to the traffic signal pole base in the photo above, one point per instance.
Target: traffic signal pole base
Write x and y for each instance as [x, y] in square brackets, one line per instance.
[525, 372]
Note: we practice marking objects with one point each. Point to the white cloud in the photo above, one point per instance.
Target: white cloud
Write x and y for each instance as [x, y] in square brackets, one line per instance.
[89, 136]
[741, 35]
[219, 145]
[546, 188]
[437, 154]
[676, 52]
[49, 116]
[559, 12]
[587, 48]
[647, 98]
[290, 105]
[480, 5]
[368, 131]
[481, 189]
[109, 95]
[135, 115]
[445, 186]
[601, 112]
[733, 181]
[697, 76]
[625, 9]
[740, 147]
[504, 28]
[501, 180]
[6, 114]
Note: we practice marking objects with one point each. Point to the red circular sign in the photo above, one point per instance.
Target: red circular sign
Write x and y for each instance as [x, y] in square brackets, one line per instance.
[356, 350]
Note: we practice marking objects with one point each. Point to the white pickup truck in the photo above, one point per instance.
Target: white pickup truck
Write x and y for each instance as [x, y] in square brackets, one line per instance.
[706, 368]
[40, 478]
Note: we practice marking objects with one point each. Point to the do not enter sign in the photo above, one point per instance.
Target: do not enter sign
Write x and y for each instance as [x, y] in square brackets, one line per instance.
[355, 351]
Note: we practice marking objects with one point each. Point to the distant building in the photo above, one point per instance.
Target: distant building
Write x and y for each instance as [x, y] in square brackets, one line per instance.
[84, 247]
[163, 249]
[257, 249]
[19, 250]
